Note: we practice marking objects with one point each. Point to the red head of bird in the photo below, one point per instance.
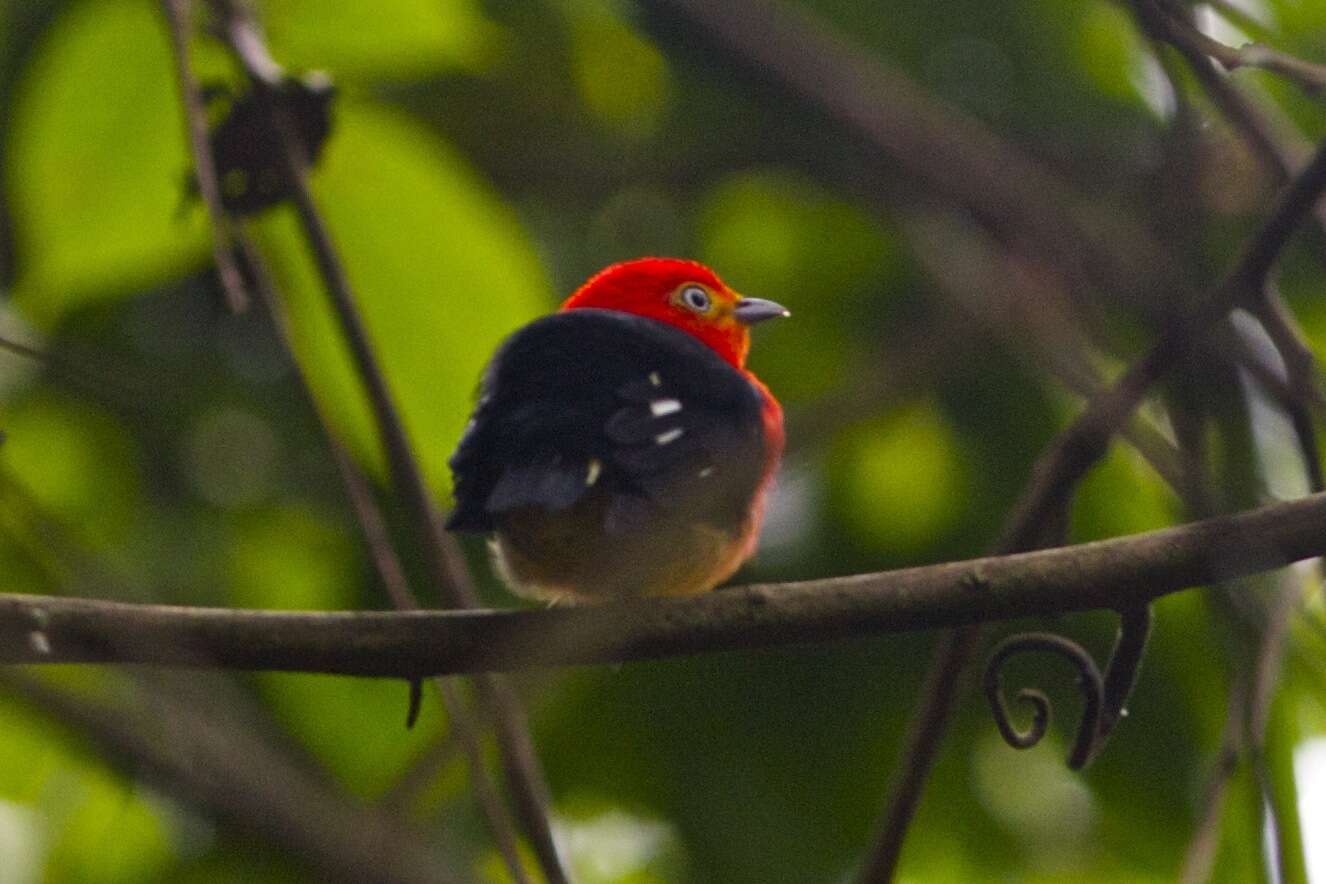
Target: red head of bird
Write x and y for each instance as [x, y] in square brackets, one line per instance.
[620, 446]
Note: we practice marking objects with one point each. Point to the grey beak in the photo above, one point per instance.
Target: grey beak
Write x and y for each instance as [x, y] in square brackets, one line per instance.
[752, 310]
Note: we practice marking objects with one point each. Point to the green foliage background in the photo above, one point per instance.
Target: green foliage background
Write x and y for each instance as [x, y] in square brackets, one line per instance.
[488, 156]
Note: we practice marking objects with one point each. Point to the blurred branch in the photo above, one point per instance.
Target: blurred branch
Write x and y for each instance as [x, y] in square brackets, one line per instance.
[1012, 300]
[1170, 21]
[1280, 160]
[178, 14]
[462, 719]
[1044, 501]
[1083, 442]
[445, 562]
[1199, 858]
[374, 531]
[241, 781]
[1110, 574]
[949, 152]
[1243, 735]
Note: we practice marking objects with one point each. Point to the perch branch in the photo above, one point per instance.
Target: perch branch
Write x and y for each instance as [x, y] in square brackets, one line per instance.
[1112, 574]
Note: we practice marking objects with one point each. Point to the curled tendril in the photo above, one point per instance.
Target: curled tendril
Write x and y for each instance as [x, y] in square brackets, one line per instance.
[1103, 697]
[1090, 682]
[1040, 717]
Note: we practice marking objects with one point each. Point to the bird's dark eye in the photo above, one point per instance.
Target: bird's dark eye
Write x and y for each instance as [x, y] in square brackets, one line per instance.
[696, 298]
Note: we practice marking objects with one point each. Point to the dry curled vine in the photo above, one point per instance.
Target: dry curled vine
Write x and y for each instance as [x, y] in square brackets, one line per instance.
[1104, 697]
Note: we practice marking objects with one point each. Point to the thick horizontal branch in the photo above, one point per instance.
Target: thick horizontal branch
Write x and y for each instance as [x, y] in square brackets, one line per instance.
[1106, 574]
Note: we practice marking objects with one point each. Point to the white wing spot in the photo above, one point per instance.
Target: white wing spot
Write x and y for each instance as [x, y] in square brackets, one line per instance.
[655, 379]
[670, 436]
[592, 474]
[660, 407]
[705, 473]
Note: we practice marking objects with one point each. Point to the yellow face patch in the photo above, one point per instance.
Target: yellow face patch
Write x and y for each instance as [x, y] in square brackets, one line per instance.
[702, 302]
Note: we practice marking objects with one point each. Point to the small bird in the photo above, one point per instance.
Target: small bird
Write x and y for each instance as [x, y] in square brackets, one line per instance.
[620, 447]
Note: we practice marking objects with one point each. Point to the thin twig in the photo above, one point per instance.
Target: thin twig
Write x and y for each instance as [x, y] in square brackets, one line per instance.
[1280, 160]
[462, 719]
[1079, 446]
[1199, 858]
[387, 564]
[1244, 732]
[445, 562]
[195, 118]
[1123, 667]
[1104, 697]
[925, 735]
[1112, 574]
[1181, 31]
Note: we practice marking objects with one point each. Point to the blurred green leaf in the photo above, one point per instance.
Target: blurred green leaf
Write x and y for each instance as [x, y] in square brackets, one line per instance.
[386, 40]
[292, 558]
[1110, 52]
[78, 465]
[1121, 495]
[104, 831]
[622, 78]
[355, 726]
[96, 162]
[86, 823]
[442, 271]
[898, 479]
[775, 234]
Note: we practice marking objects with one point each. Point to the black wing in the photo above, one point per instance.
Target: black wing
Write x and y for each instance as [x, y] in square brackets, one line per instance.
[596, 401]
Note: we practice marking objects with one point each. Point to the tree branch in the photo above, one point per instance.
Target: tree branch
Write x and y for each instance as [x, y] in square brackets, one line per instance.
[373, 528]
[204, 168]
[442, 555]
[1172, 20]
[951, 153]
[1079, 446]
[1105, 574]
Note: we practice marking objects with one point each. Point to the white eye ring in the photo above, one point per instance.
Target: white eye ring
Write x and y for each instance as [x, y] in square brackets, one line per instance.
[695, 298]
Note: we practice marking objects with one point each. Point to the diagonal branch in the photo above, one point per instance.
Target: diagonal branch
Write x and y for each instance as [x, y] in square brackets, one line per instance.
[195, 118]
[1079, 446]
[1171, 21]
[390, 571]
[1054, 476]
[442, 555]
[1106, 574]
[950, 153]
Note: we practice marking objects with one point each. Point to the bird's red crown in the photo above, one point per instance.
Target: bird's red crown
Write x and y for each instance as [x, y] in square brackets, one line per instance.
[685, 294]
